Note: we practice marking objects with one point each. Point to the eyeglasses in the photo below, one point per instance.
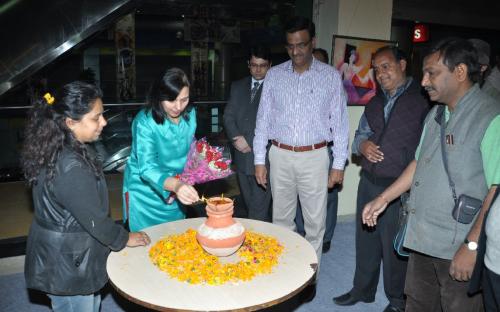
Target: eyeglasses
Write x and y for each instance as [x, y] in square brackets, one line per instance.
[384, 68]
[300, 46]
[259, 66]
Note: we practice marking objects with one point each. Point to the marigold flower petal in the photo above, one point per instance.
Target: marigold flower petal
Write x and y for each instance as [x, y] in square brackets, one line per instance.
[182, 258]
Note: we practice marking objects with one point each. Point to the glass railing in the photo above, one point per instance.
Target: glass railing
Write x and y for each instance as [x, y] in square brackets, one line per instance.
[113, 148]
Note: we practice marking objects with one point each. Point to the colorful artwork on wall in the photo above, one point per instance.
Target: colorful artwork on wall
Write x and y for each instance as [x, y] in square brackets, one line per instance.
[352, 57]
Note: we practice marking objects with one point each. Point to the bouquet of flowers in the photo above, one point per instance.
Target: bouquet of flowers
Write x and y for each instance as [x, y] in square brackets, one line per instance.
[204, 163]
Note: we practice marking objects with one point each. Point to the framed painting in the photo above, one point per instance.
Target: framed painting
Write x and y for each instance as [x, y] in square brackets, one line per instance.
[352, 57]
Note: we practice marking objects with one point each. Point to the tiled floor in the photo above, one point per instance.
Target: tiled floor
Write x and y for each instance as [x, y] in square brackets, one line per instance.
[16, 209]
[337, 270]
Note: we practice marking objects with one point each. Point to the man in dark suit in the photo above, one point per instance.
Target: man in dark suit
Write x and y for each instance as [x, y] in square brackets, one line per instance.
[239, 123]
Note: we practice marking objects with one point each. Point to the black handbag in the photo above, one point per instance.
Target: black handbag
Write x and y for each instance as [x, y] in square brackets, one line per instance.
[402, 225]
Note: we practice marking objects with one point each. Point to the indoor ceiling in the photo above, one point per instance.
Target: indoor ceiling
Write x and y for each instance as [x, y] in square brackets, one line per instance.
[479, 14]
[242, 9]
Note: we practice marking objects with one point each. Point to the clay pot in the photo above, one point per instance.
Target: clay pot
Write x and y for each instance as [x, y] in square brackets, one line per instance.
[220, 235]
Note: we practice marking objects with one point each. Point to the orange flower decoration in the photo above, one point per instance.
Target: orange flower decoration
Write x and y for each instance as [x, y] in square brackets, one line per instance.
[183, 259]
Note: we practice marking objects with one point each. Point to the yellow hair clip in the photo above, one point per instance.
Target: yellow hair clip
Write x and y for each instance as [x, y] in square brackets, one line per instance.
[49, 98]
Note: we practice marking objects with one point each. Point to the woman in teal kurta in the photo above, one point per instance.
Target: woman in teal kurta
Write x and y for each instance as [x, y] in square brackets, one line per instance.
[162, 133]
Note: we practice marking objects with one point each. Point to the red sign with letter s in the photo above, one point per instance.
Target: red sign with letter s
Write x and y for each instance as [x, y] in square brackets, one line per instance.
[420, 33]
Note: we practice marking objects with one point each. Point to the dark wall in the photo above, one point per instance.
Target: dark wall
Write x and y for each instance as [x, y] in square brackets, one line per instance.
[402, 32]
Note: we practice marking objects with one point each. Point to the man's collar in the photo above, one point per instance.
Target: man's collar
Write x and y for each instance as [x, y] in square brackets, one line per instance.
[400, 89]
[312, 66]
[444, 109]
[255, 80]
[471, 92]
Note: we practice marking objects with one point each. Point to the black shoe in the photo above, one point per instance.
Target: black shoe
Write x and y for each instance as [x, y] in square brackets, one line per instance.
[391, 308]
[308, 293]
[348, 300]
[326, 246]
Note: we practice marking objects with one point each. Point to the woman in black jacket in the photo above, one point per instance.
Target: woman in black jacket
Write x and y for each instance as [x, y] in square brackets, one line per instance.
[71, 234]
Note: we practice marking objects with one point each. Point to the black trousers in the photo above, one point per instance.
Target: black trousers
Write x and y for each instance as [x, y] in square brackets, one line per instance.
[257, 199]
[491, 291]
[375, 246]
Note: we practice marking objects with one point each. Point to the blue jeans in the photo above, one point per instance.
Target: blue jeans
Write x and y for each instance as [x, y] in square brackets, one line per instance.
[78, 303]
[331, 215]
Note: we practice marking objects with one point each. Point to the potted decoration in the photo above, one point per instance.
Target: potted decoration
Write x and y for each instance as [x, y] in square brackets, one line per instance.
[220, 234]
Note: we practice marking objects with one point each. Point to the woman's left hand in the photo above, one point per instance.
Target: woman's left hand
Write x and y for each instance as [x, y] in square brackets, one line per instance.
[186, 193]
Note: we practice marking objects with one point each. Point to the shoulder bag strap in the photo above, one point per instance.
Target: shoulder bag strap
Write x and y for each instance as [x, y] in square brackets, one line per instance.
[443, 151]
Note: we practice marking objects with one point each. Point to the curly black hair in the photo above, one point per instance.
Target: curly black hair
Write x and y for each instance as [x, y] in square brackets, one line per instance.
[46, 131]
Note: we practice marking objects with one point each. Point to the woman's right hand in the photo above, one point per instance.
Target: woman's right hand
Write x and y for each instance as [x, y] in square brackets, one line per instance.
[138, 239]
[186, 193]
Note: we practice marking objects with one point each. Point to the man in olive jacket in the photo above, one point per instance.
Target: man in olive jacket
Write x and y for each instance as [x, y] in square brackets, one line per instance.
[462, 133]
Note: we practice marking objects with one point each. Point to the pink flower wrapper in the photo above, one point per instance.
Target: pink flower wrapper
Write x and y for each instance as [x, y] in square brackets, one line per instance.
[204, 163]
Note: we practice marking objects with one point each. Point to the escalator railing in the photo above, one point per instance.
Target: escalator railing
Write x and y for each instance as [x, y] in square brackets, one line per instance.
[35, 33]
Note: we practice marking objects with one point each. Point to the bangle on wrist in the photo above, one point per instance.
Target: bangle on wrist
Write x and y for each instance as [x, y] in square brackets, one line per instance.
[385, 199]
[178, 184]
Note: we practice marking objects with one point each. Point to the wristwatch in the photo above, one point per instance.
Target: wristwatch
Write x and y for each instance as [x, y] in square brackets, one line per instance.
[470, 245]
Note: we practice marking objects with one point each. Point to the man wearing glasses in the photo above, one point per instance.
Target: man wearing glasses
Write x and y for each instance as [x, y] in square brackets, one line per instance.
[239, 123]
[386, 140]
[302, 108]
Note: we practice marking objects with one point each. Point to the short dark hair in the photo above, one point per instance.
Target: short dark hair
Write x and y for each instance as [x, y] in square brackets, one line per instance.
[166, 88]
[322, 52]
[395, 51]
[260, 51]
[455, 51]
[299, 23]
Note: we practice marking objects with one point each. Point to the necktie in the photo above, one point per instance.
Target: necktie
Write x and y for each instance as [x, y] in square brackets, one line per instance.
[254, 90]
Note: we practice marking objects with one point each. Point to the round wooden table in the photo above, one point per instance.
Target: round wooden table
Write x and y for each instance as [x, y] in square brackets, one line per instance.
[134, 276]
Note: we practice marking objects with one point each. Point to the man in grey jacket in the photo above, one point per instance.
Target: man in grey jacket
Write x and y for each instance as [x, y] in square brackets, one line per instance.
[467, 127]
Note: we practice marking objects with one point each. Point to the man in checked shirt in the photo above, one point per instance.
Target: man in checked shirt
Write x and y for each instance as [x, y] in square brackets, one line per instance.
[302, 108]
